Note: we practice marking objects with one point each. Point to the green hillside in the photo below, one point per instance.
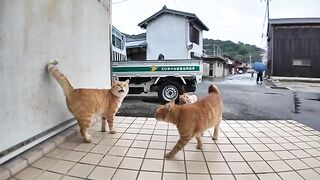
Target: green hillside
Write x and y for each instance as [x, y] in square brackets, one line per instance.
[238, 50]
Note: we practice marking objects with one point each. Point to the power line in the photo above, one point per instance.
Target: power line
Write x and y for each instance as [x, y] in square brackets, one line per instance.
[120, 1]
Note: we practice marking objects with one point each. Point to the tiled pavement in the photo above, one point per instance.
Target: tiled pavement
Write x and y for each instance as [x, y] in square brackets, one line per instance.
[244, 150]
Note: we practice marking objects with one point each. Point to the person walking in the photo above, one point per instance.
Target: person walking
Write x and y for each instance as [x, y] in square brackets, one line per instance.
[259, 77]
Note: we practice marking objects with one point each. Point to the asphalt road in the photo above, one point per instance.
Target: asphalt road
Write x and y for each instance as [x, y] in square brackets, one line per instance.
[243, 100]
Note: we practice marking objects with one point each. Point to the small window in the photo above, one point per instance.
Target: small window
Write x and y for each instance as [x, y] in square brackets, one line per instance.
[194, 34]
[301, 62]
[113, 40]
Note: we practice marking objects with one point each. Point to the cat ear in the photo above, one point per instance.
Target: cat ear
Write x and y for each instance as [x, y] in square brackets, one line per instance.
[127, 81]
[114, 81]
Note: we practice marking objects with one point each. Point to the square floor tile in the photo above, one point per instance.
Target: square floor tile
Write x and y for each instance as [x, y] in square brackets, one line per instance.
[260, 147]
[290, 175]
[152, 165]
[108, 141]
[174, 166]
[196, 167]
[131, 163]
[218, 168]
[140, 144]
[279, 165]
[49, 176]
[122, 174]
[58, 153]
[111, 161]
[118, 151]
[136, 152]
[227, 148]
[29, 173]
[232, 156]
[300, 153]
[81, 170]
[251, 156]
[268, 156]
[296, 164]
[285, 154]
[246, 177]
[84, 147]
[100, 149]
[44, 163]
[103, 173]
[260, 167]
[199, 176]
[144, 175]
[222, 177]
[194, 156]
[174, 176]
[124, 142]
[91, 158]
[155, 154]
[239, 167]
[74, 156]
[269, 176]
[157, 145]
[309, 174]
[243, 147]
[62, 166]
[70, 178]
[275, 147]
[213, 156]
[312, 162]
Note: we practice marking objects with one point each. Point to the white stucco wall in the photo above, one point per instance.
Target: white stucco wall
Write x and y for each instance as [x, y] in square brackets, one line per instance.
[205, 69]
[31, 33]
[218, 71]
[167, 35]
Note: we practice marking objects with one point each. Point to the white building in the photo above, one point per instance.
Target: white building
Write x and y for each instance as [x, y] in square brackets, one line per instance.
[33, 105]
[175, 34]
[118, 45]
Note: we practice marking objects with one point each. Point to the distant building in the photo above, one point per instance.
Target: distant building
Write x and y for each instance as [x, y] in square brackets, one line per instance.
[294, 47]
[175, 34]
[118, 45]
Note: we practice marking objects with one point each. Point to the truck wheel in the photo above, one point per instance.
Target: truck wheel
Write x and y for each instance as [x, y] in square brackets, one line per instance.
[169, 91]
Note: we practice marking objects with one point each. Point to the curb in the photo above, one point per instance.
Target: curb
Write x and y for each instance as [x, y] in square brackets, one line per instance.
[12, 167]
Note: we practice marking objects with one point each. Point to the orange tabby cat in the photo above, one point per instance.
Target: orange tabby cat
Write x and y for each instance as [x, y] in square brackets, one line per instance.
[89, 104]
[193, 119]
[185, 98]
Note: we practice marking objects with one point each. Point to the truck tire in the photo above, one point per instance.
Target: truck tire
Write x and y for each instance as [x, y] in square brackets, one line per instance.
[169, 90]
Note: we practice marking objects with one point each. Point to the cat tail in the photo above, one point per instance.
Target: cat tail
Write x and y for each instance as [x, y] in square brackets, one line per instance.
[213, 89]
[62, 80]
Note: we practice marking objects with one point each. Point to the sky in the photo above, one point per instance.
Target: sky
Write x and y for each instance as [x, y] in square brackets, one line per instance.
[235, 20]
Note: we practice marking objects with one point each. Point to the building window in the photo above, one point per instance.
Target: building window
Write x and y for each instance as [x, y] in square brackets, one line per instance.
[194, 34]
[301, 62]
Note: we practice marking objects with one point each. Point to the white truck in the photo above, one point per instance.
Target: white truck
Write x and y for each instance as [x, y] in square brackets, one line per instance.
[163, 76]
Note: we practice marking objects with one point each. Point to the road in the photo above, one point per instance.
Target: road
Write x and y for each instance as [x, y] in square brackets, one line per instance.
[243, 100]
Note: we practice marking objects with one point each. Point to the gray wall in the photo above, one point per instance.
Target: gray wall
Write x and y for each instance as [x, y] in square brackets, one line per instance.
[32, 32]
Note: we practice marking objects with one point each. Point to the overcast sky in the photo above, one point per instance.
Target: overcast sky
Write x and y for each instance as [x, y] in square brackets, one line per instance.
[235, 20]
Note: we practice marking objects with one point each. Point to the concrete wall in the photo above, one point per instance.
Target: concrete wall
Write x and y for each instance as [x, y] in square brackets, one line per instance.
[205, 69]
[167, 35]
[31, 33]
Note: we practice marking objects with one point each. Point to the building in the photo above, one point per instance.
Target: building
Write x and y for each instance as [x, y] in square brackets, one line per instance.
[294, 47]
[136, 49]
[174, 34]
[33, 105]
[118, 45]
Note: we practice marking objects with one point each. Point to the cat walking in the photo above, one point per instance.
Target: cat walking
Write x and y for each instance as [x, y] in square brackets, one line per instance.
[89, 104]
[192, 119]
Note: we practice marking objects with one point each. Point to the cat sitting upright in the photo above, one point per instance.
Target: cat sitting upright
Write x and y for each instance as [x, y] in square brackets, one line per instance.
[193, 119]
[185, 98]
[89, 104]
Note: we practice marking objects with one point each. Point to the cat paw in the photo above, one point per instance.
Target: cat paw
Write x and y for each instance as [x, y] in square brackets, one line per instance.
[199, 147]
[169, 155]
[87, 140]
[113, 132]
[214, 138]
[103, 130]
